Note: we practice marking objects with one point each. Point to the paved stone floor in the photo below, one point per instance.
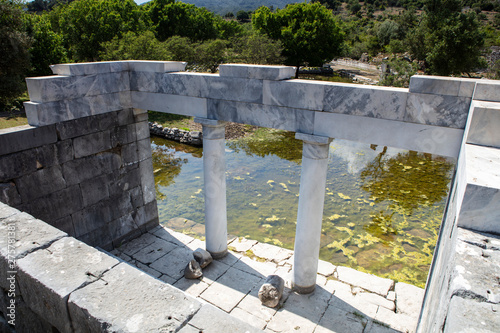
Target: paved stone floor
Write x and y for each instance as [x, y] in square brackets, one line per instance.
[345, 300]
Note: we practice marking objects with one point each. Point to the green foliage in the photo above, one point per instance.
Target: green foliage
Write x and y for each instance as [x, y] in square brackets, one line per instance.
[242, 15]
[399, 73]
[308, 31]
[210, 54]
[14, 46]
[170, 18]
[133, 46]
[388, 30]
[257, 49]
[86, 24]
[448, 40]
[180, 49]
[47, 46]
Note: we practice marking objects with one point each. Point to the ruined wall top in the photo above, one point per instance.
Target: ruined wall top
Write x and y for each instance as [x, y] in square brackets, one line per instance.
[430, 116]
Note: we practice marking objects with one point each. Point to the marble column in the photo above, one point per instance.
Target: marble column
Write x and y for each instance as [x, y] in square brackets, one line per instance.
[310, 211]
[214, 171]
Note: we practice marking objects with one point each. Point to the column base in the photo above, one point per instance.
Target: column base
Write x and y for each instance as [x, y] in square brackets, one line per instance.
[303, 290]
[218, 255]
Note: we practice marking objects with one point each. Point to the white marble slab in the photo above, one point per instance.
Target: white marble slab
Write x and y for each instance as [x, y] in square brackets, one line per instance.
[479, 209]
[487, 90]
[429, 139]
[156, 66]
[261, 72]
[376, 102]
[88, 68]
[484, 124]
[56, 88]
[40, 114]
[437, 110]
[302, 94]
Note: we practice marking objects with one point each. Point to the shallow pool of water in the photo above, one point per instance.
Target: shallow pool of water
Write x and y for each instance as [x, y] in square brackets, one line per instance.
[383, 206]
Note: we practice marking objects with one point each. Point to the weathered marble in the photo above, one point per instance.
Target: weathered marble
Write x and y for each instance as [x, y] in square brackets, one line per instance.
[302, 94]
[487, 90]
[368, 101]
[156, 66]
[88, 68]
[55, 88]
[214, 172]
[188, 106]
[437, 110]
[435, 85]
[484, 124]
[40, 114]
[261, 72]
[430, 139]
[310, 212]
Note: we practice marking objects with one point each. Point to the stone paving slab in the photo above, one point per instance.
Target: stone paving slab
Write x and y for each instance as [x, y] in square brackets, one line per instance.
[212, 320]
[344, 301]
[230, 289]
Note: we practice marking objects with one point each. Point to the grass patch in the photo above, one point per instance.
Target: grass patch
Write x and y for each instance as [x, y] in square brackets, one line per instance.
[170, 120]
[13, 121]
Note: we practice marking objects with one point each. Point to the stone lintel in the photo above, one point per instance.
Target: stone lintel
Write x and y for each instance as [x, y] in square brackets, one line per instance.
[260, 72]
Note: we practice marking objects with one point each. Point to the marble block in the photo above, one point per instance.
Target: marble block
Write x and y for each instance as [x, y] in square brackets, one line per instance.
[487, 90]
[40, 114]
[479, 209]
[302, 94]
[55, 88]
[289, 119]
[87, 68]
[374, 102]
[184, 105]
[442, 85]
[424, 138]
[437, 110]
[156, 66]
[261, 72]
[484, 124]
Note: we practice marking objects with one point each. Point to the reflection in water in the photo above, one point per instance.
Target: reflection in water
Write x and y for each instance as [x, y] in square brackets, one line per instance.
[383, 206]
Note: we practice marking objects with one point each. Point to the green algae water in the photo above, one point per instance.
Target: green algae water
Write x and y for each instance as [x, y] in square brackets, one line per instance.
[383, 206]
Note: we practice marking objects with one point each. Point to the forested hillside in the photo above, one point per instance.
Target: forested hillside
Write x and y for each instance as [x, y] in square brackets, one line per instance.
[222, 7]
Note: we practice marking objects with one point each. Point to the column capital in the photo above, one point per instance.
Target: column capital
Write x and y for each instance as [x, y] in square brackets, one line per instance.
[313, 139]
[209, 122]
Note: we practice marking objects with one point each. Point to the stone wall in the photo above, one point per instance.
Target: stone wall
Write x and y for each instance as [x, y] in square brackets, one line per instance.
[463, 283]
[60, 284]
[90, 177]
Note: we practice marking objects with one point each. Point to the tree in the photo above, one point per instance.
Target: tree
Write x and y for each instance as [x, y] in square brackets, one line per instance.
[388, 31]
[308, 31]
[170, 18]
[14, 46]
[47, 46]
[86, 24]
[257, 49]
[448, 40]
[133, 46]
[210, 54]
[242, 15]
[180, 49]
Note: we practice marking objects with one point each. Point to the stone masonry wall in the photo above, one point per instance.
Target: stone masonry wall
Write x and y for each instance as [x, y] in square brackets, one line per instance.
[90, 177]
[51, 282]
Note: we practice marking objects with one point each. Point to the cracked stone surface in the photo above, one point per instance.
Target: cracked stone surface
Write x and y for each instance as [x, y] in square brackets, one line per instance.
[475, 287]
[355, 302]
